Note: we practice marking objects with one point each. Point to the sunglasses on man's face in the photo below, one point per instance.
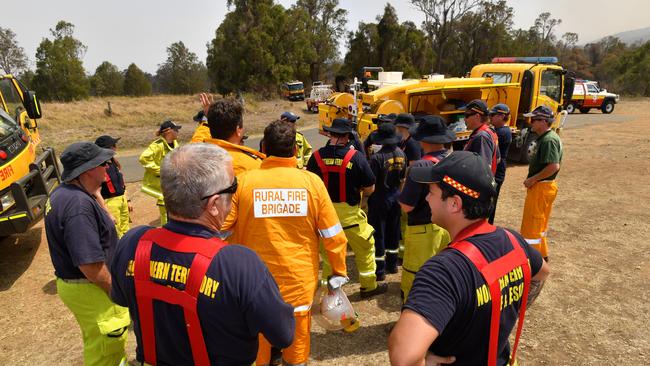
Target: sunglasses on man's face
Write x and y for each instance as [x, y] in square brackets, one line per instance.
[230, 189]
[104, 164]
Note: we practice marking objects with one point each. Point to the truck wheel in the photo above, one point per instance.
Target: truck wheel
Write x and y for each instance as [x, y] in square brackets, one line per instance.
[570, 108]
[584, 110]
[528, 148]
[608, 106]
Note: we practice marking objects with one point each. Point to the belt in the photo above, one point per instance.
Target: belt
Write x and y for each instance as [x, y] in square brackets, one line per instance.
[75, 280]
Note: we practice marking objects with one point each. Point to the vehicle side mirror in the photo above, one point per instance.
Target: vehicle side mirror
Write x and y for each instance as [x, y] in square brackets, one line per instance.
[32, 105]
[569, 85]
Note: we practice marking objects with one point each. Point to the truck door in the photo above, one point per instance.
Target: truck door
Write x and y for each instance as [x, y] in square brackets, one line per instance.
[550, 88]
[11, 100]
[591, 98]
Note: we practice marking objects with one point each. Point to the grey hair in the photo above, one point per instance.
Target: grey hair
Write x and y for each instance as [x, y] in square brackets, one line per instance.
[190, 173]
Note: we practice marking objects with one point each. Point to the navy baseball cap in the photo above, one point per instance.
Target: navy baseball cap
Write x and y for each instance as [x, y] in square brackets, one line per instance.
[107, 141]
[289, 116]
[542, 112]
[500, 109]
[476, 106]
[464, 171]
[169, 124]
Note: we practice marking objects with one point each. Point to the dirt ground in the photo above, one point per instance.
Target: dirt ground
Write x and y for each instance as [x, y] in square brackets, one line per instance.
[594, 309]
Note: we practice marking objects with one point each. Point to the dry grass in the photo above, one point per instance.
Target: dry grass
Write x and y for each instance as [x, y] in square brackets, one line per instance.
[135, 120]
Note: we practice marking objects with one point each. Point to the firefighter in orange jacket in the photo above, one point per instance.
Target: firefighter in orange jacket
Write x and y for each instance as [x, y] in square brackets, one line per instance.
[281, 213]
[227, 131]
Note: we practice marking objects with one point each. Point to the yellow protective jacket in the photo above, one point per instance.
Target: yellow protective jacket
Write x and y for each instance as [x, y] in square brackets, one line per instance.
[303, 150]
[281, 213]
[201, 133]
[150, 159]
[243, 158]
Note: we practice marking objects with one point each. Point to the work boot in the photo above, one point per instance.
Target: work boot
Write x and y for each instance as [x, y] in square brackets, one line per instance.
[380, 277]
[380, 289]
[391, 270]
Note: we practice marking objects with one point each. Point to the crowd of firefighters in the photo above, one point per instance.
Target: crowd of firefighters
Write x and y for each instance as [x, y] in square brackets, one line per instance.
[399, 198]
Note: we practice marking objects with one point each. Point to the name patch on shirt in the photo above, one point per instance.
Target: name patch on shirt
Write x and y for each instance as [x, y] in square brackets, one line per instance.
[280, 202]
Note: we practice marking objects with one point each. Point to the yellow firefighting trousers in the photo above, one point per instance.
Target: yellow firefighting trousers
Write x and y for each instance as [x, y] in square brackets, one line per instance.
[421, 242]
[119, 208]
[298, 351]
[103, 324]
[360, 237]
[537, 211]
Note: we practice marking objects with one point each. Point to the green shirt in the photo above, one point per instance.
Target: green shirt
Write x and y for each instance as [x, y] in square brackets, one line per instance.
[548, 150]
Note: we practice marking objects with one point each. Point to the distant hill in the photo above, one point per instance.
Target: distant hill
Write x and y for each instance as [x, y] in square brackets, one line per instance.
[641, 35]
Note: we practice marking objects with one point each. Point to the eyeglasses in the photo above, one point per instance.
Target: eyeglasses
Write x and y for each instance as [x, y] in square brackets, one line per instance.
[230, 189]
[104, 164]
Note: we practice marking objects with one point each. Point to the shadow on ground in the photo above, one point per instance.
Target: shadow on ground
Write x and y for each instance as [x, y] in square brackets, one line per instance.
[338, 344]
[16, 254]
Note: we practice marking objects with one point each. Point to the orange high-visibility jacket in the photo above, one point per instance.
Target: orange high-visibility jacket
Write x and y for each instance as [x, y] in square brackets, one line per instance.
[243, 158]
[202, 132]
[281, 212]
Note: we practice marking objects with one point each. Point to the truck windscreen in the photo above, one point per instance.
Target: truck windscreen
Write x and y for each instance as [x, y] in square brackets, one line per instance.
[7, 125]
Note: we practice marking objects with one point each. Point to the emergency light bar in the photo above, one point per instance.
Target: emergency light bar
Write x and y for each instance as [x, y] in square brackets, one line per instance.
[525, 60]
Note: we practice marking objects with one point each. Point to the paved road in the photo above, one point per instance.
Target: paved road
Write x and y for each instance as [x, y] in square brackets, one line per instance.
[133, 171]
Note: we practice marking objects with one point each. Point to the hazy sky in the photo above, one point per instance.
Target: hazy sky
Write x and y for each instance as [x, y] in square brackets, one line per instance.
[125, 31]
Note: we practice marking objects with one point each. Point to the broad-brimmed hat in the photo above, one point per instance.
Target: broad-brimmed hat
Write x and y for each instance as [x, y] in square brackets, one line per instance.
[383, 118]
[340, 126]
[476, 106]
[500, 109]
[169, 124]
[463, 171]
[289, 116]
[405, 120]
[107, 141]
[80, 157]
[386, 135]
[542, 112]
[432, 129]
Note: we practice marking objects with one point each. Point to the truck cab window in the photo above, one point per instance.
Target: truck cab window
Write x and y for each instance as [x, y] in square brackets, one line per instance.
[7, 126]
[592, 88]
[11, 98]
[499, 77]
[551, 85]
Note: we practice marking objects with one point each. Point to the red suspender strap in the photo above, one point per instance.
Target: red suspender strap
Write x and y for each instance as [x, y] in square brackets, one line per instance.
[430, 158]
[346, 159]
[340, 170]
[524, 299]
[323, 168]
[491, 273]
[146, 291]
[109, 183]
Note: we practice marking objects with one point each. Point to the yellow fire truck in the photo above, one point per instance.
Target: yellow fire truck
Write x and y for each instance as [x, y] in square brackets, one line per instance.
[523, 83]
[26, 176]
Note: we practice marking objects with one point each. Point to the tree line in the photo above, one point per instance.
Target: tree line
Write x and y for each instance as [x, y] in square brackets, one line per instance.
[260, 44]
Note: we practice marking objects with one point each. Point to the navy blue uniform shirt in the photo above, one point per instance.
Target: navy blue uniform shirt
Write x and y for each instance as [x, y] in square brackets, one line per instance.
[116, 187]
[414, 194]
[357, 174]
[505, 139]
[389, 167]
[78, 231]
[446, 293]
[481, 143]
[412, 150]
[240, 300]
